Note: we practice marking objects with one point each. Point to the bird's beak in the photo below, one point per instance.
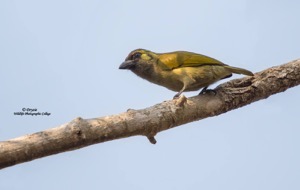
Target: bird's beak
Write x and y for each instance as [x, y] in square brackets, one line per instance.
[127, 64]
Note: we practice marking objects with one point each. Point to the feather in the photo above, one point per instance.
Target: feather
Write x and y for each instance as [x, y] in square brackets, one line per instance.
[177, 59]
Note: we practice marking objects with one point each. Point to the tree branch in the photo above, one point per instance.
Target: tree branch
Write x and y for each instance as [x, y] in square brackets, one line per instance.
[148, 122]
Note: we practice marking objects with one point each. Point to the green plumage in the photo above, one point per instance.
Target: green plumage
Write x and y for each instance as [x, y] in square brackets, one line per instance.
[179, 59]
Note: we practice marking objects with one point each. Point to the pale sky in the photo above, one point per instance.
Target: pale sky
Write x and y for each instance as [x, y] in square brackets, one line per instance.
[62, 57]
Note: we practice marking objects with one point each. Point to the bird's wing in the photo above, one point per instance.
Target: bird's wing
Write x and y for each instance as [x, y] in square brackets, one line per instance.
[179, 59]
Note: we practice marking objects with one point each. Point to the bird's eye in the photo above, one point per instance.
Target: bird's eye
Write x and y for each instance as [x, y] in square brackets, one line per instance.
[136, 55]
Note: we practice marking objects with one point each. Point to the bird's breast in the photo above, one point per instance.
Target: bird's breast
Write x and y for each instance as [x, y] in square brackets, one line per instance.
[168, 78]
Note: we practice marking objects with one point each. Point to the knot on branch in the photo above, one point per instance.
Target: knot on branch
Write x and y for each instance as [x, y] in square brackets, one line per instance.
[76, 127]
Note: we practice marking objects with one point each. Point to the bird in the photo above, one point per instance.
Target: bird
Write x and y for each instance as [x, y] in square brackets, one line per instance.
[179, 71]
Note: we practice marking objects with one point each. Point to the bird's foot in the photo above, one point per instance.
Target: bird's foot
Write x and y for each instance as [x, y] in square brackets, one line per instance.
[180, 101]
[176, 96]
[208, 91]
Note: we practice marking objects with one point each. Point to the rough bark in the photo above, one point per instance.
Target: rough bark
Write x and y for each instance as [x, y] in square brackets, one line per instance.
[148, 122]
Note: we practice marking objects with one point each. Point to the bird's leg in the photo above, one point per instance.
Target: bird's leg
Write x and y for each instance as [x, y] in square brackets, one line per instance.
[177, 95]
[180, 92]
[205, 90]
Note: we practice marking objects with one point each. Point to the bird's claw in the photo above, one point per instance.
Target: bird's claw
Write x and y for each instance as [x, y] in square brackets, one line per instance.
[208, 91]
[180, 101]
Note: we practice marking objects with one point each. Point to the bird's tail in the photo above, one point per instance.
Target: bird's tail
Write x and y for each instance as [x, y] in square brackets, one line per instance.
[239, 70]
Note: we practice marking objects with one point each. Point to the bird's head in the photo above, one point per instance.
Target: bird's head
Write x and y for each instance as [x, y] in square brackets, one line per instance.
[139, 59]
